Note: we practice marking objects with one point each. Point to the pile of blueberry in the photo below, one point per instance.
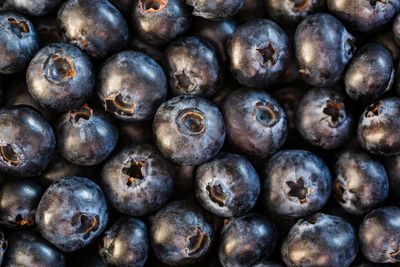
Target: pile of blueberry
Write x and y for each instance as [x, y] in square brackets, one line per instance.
[203, 133]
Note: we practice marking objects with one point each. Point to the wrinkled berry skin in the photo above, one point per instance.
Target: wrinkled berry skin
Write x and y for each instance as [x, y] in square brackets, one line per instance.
[131, 86]
[215, 9]
[86, 136]
[27, 141]
[379, 234]
[189, 130]
[131, 234]
[259, 53]
[378, 127]
[60, 77]
[361, 182]
[324, 119]
[364, 16]
[78, 211]
[296, 183]
[320, 240]
[247, 240]
[193, 67]
[18, 42]
[256, 124]
[34, 8]
[181, 233]
[159, 22]
[370, 74]
[227, 186]
[323, 49]
[95, 26]
[26, 248]
[18, 202]
[138, 180]
[291, 12]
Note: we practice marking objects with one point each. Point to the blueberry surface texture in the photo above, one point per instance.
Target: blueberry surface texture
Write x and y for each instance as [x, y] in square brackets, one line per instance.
[34, 8]
[215, 9]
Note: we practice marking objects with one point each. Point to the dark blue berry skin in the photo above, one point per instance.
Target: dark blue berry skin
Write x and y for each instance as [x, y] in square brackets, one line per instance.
[320, 240]
[125, 6]
[189, 130]
[370, 74]
[323, 48]
[215, 9]
[3, 246]
[18, 202]
[131, 86]
[86, 136]
[291, 12]
[33, 8]
[60, 77]
[392, 165]
[227, 186]
[364, 16]
[378, 127]
[324, 118]
[18, 42]
[133, 245]
[193, 67]
[247, 240]
[72, 212]
[26, 248]
[138, 180]
[95, 26]
[259, 53]
[159, 22]
[251, 10]
[379, 235]
[27, 141]
[396, 30]
[256, 124]
[181, 233]
[267, 263]
[296, 183]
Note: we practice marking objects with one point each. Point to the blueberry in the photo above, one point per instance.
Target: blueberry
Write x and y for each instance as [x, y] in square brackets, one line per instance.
[215, 10]
[267, 263]
[370, 74]
[323, 49]
[125, 6]
[60, 77]
[34, 8]
[18, 42]
[29, 249]
[132, 86]
[3, 246]
[125, 244]
[227, 186]
[320, 240]
[247, 240]
[72, 212]
[365, 16]
[259, 53]
[255, 122]
[95, 26]
[27, 141]
[181, 233]
[324, 118]
[361, 183]
[396, 30]
[138, 180]
[251, 10]
[86, 136]
[378, 127]
[189, 130]
[392, 165]
[193, 67]
[295, 183]
[18, 202]
[160, 21]
[379, 235]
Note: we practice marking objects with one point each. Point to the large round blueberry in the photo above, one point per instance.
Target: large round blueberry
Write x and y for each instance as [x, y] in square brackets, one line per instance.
[27, 141]
[320, 240]
[247, 240]
[131, 86]
[215, 9]
[72, 212]
[323, 49]
[296, 183]
[227, 186]
[189, 130]
[33, 8]
[60, 77]
[138, 180]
